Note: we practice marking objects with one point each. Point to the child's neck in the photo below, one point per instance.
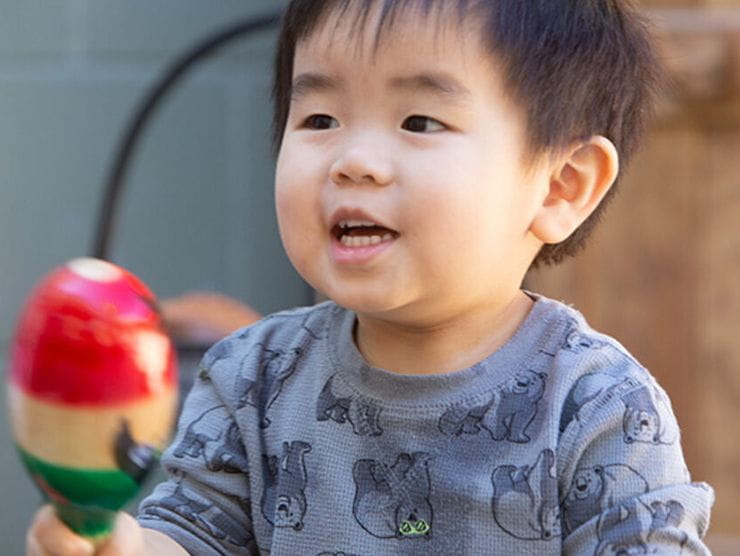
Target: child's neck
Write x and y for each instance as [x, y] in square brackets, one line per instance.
[454, 345]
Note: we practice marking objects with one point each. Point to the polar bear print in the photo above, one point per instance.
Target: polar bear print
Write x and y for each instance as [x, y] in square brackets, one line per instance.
[515, 407]
[275, 367]
[283, 500]
[598, 488]
[342, 407]
[530, 491]
[630, 526]
[505, 416]
[647, 417]
[392, 501]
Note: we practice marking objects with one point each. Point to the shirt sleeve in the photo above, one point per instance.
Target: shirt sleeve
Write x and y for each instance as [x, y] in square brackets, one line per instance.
[205, 504]
[625, 488]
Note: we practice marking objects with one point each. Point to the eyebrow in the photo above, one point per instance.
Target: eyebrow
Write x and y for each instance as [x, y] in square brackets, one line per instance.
[437, 84]
[307, 83]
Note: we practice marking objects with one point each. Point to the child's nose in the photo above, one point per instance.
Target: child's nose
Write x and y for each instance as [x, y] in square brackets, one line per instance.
[363, 162]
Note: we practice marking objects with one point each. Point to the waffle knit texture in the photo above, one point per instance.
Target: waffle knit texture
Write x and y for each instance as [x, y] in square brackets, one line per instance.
[557, 443]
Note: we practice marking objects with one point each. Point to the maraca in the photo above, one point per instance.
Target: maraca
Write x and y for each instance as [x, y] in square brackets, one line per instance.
[92, 390]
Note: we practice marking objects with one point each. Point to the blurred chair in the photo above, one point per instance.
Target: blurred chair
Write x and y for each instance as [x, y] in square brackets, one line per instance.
[203, 318]
[196, 321]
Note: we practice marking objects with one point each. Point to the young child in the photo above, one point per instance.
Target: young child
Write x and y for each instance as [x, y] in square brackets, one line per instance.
[430, 152]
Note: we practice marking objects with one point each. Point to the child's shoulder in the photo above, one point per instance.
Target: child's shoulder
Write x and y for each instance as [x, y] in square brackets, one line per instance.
[585, 349]
[595, 372]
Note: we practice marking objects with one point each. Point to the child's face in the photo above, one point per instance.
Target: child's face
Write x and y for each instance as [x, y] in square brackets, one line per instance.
[418, 139]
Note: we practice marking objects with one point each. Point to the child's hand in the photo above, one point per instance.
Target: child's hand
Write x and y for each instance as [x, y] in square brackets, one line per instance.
[48, 536]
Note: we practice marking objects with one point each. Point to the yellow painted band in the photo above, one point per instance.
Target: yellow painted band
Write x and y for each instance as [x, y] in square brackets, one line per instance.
[80, 436]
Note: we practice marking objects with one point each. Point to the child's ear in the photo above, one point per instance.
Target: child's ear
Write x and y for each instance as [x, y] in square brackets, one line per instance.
[578, 183]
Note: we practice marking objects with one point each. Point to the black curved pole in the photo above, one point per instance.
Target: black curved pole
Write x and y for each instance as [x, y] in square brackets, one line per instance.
[127, 145]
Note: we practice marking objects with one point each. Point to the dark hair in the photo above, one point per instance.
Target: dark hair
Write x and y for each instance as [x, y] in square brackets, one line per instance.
[577, 68]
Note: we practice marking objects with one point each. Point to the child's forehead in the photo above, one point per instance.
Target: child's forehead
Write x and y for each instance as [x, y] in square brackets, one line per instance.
[375, 27]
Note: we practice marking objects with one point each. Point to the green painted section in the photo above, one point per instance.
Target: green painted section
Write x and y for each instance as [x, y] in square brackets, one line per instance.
[86, 499]
[94, 523]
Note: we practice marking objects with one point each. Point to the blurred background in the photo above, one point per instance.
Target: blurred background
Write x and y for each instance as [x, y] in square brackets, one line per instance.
[661, 274]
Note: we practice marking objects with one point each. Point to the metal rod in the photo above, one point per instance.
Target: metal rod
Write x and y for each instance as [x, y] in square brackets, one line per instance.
[158, 91]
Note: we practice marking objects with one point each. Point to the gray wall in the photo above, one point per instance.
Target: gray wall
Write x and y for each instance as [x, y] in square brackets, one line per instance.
[197, 213]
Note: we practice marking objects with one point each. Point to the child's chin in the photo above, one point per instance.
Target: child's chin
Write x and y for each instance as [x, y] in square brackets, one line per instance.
[367, 304]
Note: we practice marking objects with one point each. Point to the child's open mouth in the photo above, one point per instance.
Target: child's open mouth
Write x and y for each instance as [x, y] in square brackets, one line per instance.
[358, 242]
[362, 233]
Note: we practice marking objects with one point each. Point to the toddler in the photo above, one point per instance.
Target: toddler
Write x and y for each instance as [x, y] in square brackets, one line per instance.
[429, 153]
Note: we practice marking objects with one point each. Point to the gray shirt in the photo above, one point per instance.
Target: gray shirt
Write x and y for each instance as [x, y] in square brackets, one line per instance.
[559, 442]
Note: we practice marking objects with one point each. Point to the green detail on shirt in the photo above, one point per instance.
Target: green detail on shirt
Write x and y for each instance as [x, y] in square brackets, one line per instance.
[204, 373]
[409, 529]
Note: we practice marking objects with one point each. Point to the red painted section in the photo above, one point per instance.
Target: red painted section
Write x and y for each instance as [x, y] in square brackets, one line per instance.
[76, 341]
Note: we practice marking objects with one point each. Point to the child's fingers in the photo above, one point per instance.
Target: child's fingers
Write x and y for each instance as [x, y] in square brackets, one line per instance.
[48, 536]
[127, 538]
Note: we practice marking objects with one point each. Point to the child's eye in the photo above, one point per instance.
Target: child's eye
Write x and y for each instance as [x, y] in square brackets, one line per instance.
[320, 122]
[422, 124]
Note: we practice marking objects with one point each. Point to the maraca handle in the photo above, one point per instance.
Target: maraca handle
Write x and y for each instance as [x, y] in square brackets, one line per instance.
[95, 524]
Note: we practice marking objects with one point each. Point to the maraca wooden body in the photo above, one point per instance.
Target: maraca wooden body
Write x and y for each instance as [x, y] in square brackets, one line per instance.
[92, 389]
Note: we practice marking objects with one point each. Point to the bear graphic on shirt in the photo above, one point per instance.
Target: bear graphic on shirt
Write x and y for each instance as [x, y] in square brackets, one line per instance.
[597, 488]
[215, 438]
[283, 499]
[602, 385]
[275, 366]
[392, 501]
[206, 514]
[531, 491]
[647, 414]
[342, 407]
[506, 416]
[630, 526]
[577, 342]
[647, 417]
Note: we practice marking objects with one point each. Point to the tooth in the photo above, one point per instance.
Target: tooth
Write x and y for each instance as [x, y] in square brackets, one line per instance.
[363, 241]
[355, 223]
